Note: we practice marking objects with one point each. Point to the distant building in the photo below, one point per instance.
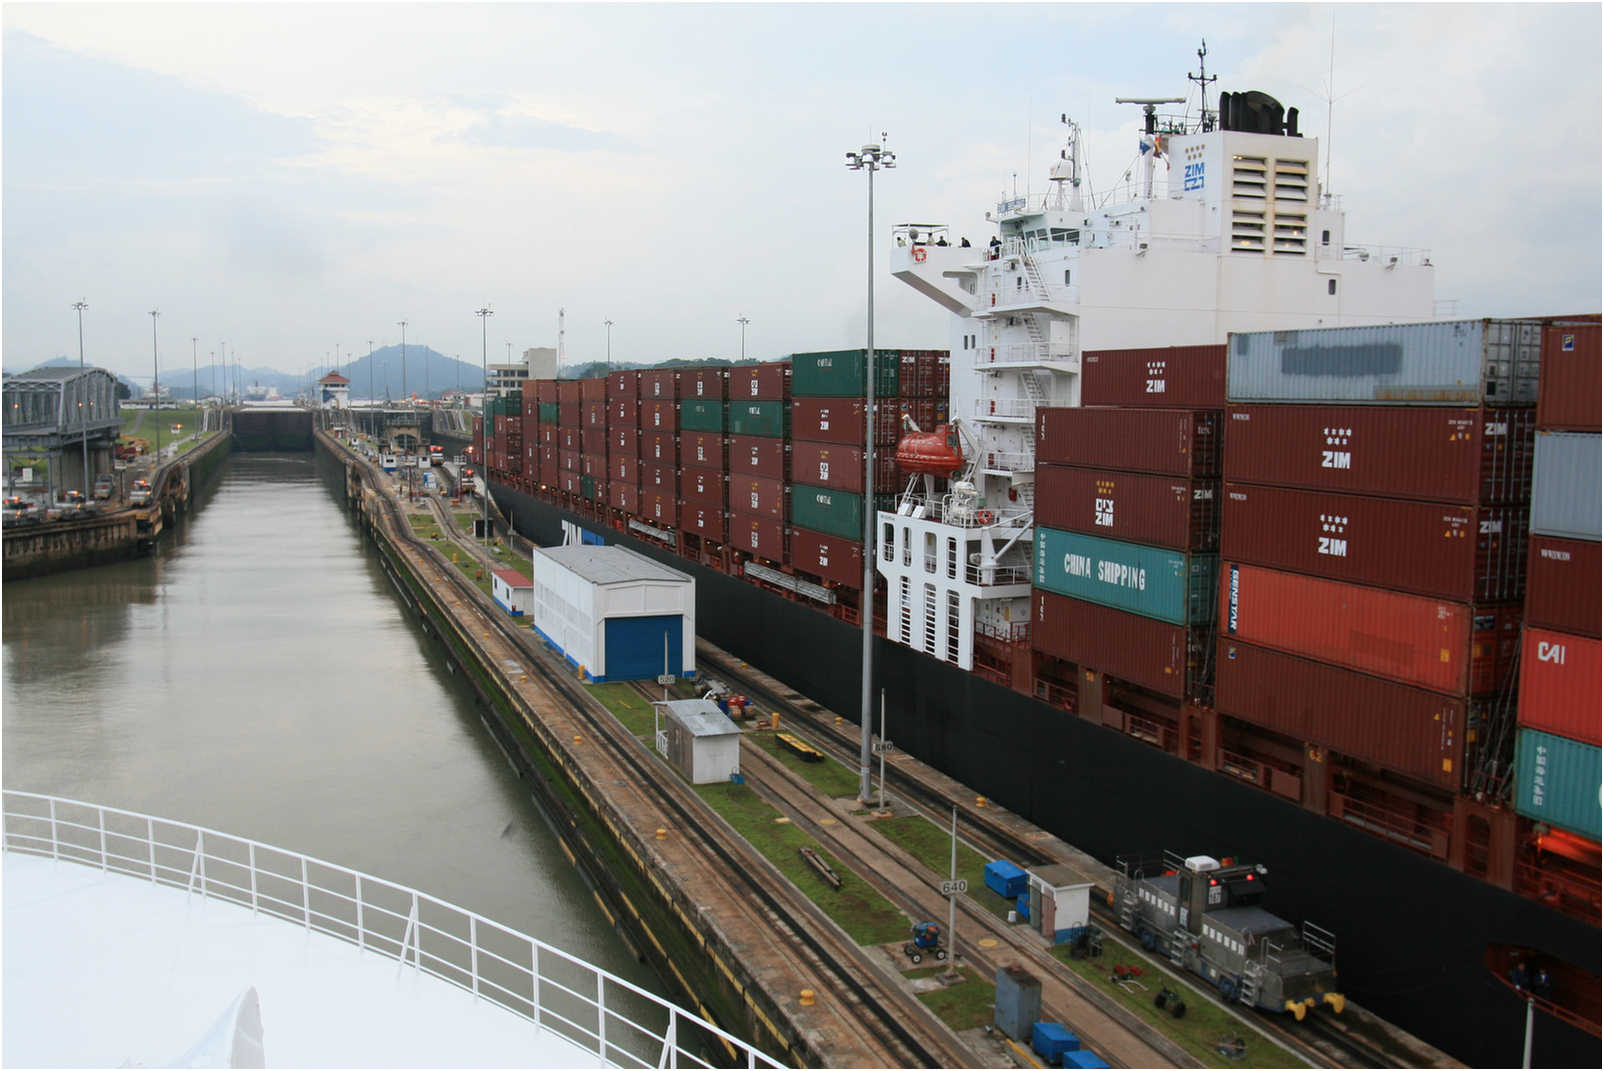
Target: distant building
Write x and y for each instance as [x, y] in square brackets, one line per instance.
[538, 363]
[542, 362]
[334, 391]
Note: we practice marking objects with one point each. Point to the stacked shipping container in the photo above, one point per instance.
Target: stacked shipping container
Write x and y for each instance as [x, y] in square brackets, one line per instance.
[1557, 760]
[758, 461]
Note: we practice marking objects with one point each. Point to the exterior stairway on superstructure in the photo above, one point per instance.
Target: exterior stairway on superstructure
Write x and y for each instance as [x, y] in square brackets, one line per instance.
[1179, 939]
[1127, 909]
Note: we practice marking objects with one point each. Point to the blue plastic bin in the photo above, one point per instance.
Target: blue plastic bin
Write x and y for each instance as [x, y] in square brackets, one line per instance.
[1005, 879]
[1081, 1058]
[1050, 1041]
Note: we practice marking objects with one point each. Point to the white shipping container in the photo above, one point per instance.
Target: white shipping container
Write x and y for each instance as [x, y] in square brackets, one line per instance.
[1457, 362]
[588, 598]
[1566, 499]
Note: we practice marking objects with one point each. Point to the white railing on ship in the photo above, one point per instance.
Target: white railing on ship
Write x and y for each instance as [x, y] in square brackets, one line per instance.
[1010, 408]
[1024, 353]
[1008, 461]
[1409, 256]
[546, 986]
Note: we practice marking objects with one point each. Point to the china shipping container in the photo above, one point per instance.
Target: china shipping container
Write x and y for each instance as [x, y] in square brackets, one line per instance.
[832, 558]
[624, 468]
[1410, 730]
[840, 420]
[840, 374]
[763, 537]
[623, 385]
[754, 455]
[821, 509]
[1463, 553]
[1445, 646]
[660, 446]
[568, 392]
[758, 496]
[705, 521]
[1562, 585]
[1459, 362]
[1171, 442]
[702, 449]
[702, 487]
[1557, 781]
[661, 385]
[1559, 690]
[1160, 511]
[623, 441]
[546, 391]
[659, 507]
[1160, 377]
[769, 382]
[1429, 454]
[1170, 585]
[1566, 489]
[703, 414]
[623, 496]
[659, 415]
[1568, 395]
[658, 477]
[623, 412]
[1153, 654]
[769, 419]
[593, 440]
[703, 384]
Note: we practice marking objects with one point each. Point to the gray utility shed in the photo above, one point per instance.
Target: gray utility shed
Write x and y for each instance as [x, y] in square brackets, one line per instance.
[699, 741]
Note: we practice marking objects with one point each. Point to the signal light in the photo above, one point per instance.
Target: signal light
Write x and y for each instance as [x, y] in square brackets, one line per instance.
[1214, 881]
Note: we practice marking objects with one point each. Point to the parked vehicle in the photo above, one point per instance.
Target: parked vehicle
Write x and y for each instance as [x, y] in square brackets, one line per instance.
[17, 510]
[104, 483]
[139, 495]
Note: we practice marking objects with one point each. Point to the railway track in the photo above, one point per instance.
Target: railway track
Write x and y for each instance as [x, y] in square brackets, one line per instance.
[902, 1031]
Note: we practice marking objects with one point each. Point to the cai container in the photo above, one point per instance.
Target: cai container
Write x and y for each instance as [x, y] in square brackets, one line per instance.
[703, 384]
[1566, 485]
[1168, 659]
[1568, 393]
[1161, 511]
[1457, 362]
[762, 537]
[1562, 585]
[623, 385]
[1559, 684]
[832, 558]
[1413, 731]
[1170, 442]
[768, 382]
[704, 449]
[662, 385]
[1170, 585]
[659, 415]
[822, 509]
[1162, 377]
[1426, 453]
[754, 455]
[758, 496]
[704, 521]
[1557, 781]
[660, 446]
[702, 487]
[1463, 553]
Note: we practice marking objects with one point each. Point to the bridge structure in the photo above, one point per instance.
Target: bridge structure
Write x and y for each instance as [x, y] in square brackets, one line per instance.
[58, 411]
[405, 428]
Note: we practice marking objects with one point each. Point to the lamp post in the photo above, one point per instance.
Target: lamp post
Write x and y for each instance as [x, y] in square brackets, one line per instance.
[870, 158]
[372, 397]
[155, 383]
[743, 321]
[484, 315]
[609, 324]
[403, 324]
[82, 417]
[194, 367]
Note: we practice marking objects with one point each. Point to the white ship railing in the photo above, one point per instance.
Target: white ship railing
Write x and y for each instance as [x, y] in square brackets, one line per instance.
[1025, 353]
[1409, 256]
[1009, 461]
[1006, 631]
[1005, 408]
[546, 986]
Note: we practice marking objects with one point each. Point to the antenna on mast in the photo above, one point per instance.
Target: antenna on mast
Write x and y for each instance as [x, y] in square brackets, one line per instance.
[562, 345]
[1153, 145]
[1331, 99]
[1204, 80]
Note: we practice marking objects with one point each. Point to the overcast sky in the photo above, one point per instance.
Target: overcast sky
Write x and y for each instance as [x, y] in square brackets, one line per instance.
[292, 177]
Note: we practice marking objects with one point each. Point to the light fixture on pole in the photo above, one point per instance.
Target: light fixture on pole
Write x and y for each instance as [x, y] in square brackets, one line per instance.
[743, 321]
[870, 158]
[155, 383]
[403, 324]
[194, 362]
[372, 397]
[484, 315]
[609, 324]
[83, 418]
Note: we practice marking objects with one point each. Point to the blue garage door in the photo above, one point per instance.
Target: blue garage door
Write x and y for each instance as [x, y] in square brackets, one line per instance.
[635, 646]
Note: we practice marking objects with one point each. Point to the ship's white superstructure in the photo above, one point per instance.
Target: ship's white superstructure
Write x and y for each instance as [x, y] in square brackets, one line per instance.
[1225, 229]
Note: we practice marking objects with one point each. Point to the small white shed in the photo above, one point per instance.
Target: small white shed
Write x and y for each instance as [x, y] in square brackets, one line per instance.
[699, 741]
[513, 592]
[1060, 901]
[615, 613]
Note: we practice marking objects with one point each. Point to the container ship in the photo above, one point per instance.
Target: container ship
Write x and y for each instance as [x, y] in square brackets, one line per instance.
[1202, 531]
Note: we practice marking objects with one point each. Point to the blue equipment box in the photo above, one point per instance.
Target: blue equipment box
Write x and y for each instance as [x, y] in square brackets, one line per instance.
[1022, 905]
[1005, 879]
[1052, 1040]
[1083, 1058]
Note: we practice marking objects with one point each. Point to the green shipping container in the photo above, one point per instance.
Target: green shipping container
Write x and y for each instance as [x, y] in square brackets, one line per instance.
[837, 513]
[839, 374]
[704, 415]
[771, 420]
[547, 413]
[1163, 584]
[1557, 781]
[587, 487]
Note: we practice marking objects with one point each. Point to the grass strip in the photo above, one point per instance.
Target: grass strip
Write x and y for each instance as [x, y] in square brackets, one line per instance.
[633, 710]
[829, 776]
[961, 1005]
[932, 846]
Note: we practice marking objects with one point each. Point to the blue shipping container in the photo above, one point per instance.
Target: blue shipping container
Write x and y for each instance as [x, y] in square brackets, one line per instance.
[1082, 1058]
[1051, 1040]
[1557, 781]
[1005, 879]
[1166, 585]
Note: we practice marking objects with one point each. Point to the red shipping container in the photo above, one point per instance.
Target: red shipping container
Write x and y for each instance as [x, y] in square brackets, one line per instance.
[501, 425]
[593, 440]
[702, 487]
[623, 441]
[661, 385]
[1428, 453]
[762, 537]
[530, 429]
[530, 406]
[658, 478]
[943, 374]
[624, 468]
[1153, 654]
[1562, 585]
[568, 482]
[623, 412]
[840, 420]
[1568, 386]
[593, 414]
[1416, 732]
[593, 389]
[568, 459]
[593, 465]
[828, 465]
[1414, 639]
[704, 449]
[545, 391]
[1165, 377]
[705, 521]
[568, 392]
[758, 496]
[1559, 685]
[623, 496]
[568, 414]
[601, 488]
[923, 411]
[769, 382]
[754, 455]
[659, 507]
[703, 383]
[888, 479]
[1158, 511]
[568, 438]
[1473, 554]
[548, 461]
[659, 446]
[908, 374]
[840, 561]
[623, 385]
[549, 434]
[659, 416]
[1172, 442]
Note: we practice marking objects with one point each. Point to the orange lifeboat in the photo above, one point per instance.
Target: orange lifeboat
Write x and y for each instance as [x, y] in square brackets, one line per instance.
[935, 452]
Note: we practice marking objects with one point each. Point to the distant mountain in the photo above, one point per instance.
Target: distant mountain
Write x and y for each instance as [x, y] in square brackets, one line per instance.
[427, 374]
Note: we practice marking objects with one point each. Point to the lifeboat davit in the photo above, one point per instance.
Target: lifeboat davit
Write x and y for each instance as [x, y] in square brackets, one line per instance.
[935, 452]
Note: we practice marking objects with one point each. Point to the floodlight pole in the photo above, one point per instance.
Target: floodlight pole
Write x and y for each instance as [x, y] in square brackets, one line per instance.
[484, 313]
[82, 417]
[155, 384]
[743, 321]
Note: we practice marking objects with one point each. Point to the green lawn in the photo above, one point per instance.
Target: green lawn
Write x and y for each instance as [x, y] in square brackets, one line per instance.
[863, 913]
[465, 520]
[147, 421]
[631, 708]
[829, 776]
[1204, 1024]
[932, 845]
[423, 526]
[961, 1005]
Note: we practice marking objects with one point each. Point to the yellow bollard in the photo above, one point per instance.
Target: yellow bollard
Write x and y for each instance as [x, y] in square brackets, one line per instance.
[577, 738]
[776, 717]
[839, 719]
[807, 998]
[980, 801]
[662, 834]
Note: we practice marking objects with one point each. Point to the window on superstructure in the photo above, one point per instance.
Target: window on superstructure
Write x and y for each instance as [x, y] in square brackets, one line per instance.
[1331, 286]
[888, 541]
[1325, 237]
[1066, 276]
[907, 547]
[930, 552]
[952, 558]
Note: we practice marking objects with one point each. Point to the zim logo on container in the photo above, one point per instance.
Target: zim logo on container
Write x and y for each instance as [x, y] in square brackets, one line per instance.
[1334, 526]
[1155, 376]
[1336, 459]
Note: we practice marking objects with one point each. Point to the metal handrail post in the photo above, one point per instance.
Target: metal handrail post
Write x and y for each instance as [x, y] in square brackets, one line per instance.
[253, 879]
[55, 852]
[361, 930]
[101, 813]
[306, 897]
[473, 954]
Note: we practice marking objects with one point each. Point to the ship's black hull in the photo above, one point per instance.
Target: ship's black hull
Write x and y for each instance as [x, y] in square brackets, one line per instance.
[1411, 933]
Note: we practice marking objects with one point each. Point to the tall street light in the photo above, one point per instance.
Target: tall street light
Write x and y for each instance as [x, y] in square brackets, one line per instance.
[870, 158]
[194, 367]
[371, 396]
[83, 417]
[403, 324]
[484, 315]
[743, 321]
[156, 383]
[609, 324]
